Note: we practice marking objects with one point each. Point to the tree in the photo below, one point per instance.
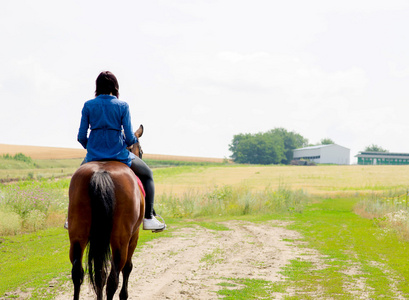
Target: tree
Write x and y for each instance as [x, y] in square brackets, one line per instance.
[271, 147]
[375, 148]
[327, 141]
[256, 149]
[291, 141]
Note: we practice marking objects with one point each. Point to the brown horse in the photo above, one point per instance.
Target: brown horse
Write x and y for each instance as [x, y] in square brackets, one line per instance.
[106, 208]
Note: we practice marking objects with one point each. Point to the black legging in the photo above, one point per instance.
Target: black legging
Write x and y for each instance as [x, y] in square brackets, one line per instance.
[141, 169]
[145, 174]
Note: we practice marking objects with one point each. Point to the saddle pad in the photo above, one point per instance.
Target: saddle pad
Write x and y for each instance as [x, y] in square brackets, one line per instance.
[141, 186]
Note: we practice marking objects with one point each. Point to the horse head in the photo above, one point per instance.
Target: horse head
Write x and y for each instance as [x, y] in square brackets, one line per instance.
[136, 148]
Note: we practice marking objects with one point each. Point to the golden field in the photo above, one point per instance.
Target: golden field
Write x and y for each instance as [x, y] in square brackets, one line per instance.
[37, 152]
[316, 180]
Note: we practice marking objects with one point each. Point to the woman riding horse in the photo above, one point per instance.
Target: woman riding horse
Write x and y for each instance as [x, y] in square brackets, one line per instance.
[106, 116]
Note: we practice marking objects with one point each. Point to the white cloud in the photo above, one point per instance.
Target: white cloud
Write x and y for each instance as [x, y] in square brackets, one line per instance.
[398, 71]
[41, 86]
[264, 74]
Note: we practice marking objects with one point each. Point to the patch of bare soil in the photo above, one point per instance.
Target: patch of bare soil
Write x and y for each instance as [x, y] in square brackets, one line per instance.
[191, 263]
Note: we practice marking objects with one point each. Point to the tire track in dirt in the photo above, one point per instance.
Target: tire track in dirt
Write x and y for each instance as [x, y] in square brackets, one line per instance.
[191, 263]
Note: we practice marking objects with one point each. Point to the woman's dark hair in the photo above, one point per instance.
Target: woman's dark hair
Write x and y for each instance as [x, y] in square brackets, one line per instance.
[107, 83]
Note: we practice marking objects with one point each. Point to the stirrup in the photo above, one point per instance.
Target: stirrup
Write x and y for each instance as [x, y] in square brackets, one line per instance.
[164, 227]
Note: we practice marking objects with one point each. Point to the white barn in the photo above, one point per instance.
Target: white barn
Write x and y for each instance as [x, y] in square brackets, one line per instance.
[324, 154]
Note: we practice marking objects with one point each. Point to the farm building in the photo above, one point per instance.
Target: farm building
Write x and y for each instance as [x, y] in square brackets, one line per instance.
[324, 154]
[382, 158]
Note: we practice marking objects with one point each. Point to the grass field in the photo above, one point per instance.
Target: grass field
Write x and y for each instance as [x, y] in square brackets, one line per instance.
[316, 180]
[53, 162]
[356, 249]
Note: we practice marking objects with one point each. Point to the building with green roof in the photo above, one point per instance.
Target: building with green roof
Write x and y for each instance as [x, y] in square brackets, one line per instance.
[382, 158]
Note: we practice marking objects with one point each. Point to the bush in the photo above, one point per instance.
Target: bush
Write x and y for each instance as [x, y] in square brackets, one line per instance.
[389, 210]
[10, 223]
[19, 157]
[23, 201]
[35, 220]
[25, 209]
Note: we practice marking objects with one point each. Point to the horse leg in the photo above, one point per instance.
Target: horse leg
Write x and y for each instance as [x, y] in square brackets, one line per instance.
[100, 278]
[126, 271]
[113, 282]
[77, 275]
[113, 279]
[77, 272]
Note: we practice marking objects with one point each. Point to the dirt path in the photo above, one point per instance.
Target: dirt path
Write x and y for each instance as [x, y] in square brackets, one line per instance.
[190, 264]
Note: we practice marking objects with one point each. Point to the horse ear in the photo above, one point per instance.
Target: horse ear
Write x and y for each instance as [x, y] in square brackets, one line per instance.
[139, 132]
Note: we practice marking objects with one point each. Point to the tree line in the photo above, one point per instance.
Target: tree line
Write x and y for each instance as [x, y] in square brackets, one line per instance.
[273, 147]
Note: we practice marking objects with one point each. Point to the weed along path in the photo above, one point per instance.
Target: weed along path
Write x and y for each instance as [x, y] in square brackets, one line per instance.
[201, 263]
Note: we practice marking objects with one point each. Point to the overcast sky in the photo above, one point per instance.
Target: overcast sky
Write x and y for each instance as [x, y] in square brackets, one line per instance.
[195, 73]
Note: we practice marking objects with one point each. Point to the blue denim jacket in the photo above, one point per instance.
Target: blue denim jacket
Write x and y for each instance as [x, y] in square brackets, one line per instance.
[106, 117]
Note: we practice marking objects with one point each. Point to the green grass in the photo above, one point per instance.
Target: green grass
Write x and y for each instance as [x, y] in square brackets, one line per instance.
[244, 289]
[18, 161]
[14, 170]
[30, 262]
[357, 257]
[346, 240]
[213, 225]
[33, 260]
[163, 174]
[7, 164]
[46, 184]
[58, 163]
[216, 256]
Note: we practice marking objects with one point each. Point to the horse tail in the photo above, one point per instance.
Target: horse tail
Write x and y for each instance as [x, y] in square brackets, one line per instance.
[102, 195]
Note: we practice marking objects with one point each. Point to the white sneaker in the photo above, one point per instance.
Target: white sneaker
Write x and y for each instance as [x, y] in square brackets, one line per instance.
[66, 224]
[153, 224]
